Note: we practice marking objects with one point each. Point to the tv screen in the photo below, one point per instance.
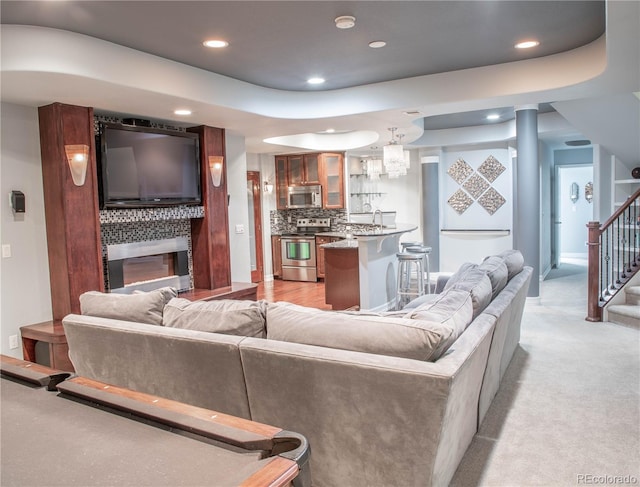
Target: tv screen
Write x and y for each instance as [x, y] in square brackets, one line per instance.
[143, 167]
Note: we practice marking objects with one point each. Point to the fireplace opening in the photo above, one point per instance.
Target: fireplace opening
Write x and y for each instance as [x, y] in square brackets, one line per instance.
[148, 265]
[147, 268]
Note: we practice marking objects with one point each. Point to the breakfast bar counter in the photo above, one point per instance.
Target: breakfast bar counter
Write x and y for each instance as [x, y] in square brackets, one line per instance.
[361, 271]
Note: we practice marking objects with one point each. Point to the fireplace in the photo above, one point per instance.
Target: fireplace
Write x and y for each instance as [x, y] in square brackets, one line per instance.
[148, 265]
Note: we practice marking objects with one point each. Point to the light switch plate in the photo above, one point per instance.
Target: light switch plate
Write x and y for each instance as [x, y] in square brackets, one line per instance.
[6, 251]
[239, 228]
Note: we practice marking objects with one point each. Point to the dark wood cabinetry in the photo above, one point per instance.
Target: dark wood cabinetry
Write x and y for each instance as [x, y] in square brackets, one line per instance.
[332, 175]
[210, 235]
[72, 217]
[276, 255]
[321, 240]
[342, 278]
[303, 170]
[282, 182]
[71, 212]
[326, 169]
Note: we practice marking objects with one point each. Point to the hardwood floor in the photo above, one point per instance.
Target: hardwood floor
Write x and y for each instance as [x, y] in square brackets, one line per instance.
[303, 293]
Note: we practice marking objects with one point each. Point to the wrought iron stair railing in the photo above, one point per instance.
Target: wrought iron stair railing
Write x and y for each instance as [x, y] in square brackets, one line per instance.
[614, 255]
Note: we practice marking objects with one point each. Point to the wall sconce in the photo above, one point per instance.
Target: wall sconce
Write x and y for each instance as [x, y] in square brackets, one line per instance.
[268, 188]
[78, 159]
[215, 168]
[575, 192]
[588, 192]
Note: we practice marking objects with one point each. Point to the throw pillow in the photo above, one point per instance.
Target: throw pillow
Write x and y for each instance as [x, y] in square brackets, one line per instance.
[143, 307]
[228, 317]
[397, 337]
[168, 293]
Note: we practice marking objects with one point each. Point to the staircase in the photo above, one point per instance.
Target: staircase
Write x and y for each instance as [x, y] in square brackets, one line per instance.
[614, 258]
[627, 314]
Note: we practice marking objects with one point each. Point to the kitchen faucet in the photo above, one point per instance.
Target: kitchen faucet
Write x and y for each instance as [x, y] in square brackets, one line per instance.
[374, 218]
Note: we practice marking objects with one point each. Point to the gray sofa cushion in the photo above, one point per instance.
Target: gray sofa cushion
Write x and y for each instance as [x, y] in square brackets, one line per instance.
[229, 317]
[453, 308]
[474, 280]
[514, 261]
[497, 272]
[145, 307]
[397, 337]
[419, 301]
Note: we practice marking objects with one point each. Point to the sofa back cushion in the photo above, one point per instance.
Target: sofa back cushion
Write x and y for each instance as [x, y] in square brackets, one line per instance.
[397, 337]
[475, 281]
[497, 272]
[514, 261]
[142, 307]
[453, 308]
[226, 316]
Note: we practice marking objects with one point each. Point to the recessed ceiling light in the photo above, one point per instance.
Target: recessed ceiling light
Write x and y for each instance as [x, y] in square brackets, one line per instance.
[377, 44]
[315, 81]
[493, 116]
[330, 131]
[345, 22]
[182, 112]
[216, 43]
[526, 44]
[412, 113]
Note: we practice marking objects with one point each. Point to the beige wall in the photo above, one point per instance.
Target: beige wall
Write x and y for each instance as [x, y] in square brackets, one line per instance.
[25, 297]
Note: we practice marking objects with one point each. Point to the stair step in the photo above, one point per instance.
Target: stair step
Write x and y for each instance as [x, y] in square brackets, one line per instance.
[624, 314]
[632, 295]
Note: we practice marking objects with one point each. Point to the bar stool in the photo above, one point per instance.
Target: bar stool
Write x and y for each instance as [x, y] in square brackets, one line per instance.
[408, 263]
[404, 245]
[425, 251]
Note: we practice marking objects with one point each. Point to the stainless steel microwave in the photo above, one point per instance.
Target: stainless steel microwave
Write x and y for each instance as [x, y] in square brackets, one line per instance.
[305, 196]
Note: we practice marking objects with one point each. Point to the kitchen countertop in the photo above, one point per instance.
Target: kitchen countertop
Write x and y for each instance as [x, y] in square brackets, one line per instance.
[332, 234]
[346, 243]
[377, 232]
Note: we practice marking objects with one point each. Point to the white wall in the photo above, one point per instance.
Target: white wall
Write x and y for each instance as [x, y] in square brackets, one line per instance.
[401, 195]
[238, 208]
[546, 210]
[574, 216]
[602, 184]
[460, 248]
[265, 165]
[25, 296]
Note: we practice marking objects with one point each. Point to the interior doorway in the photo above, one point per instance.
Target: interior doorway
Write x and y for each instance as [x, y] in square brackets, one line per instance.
[255, 226]
[573, 211]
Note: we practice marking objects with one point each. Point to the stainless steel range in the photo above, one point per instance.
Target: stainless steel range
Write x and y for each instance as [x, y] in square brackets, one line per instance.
[299, 249]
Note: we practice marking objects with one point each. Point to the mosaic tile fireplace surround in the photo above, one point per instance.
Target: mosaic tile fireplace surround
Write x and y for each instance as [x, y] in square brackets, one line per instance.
[163, 235]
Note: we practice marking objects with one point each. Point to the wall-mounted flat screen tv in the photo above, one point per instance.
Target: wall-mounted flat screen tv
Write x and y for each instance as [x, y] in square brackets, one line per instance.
[141, 167]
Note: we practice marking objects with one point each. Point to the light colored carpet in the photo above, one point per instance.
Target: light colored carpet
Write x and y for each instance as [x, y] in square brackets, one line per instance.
[568, 409]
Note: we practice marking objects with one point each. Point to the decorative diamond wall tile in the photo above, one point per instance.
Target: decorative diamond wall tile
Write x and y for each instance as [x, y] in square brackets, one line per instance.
[491, 168]
[491, 201]
[460, 201]
[460, 171]
[475, 185]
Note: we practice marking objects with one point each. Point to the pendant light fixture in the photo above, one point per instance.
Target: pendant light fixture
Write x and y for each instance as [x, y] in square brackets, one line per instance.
[394, 156]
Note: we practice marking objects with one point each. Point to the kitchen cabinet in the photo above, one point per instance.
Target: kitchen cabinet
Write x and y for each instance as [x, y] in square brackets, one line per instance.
[342, 278]
[282, 182]
[325, 169]
[303, 170]
[276, 255]
[332, 180]
[320, 253]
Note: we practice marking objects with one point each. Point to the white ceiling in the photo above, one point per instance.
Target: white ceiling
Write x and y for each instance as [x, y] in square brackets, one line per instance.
[443, 58]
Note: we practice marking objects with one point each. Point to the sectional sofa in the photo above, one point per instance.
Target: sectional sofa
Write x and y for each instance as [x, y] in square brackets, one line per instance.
[384, 399]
